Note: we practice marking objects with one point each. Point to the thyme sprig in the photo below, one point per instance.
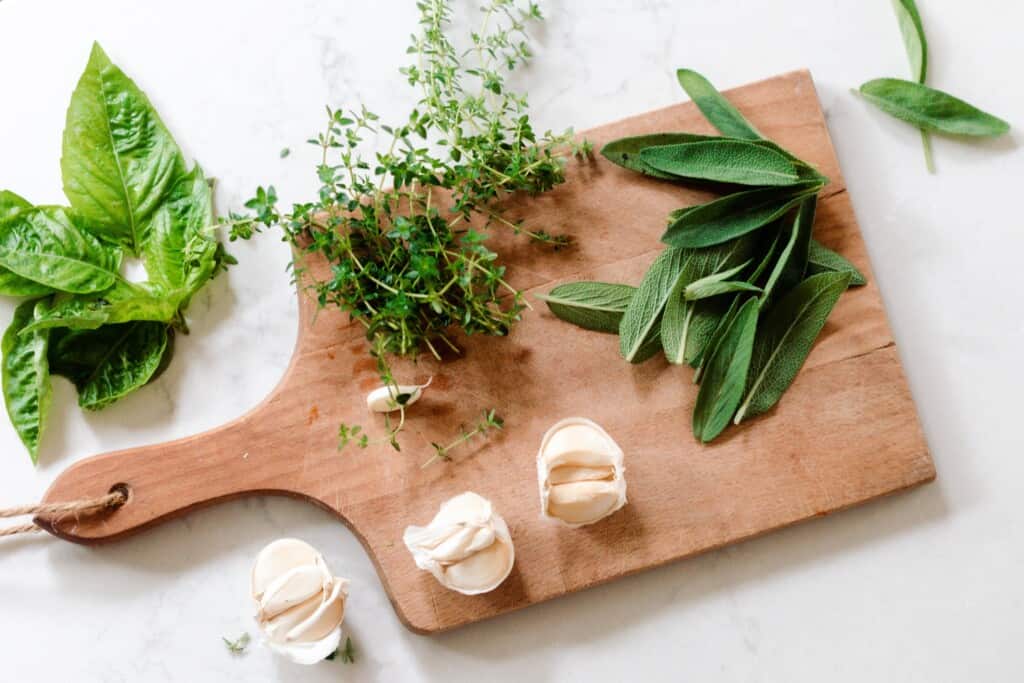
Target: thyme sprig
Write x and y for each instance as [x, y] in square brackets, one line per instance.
[405, 229]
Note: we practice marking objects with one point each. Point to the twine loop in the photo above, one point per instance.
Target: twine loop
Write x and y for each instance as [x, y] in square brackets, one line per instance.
[55, 513]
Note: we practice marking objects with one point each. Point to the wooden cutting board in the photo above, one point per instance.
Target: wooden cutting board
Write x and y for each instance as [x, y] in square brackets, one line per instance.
[845, 433]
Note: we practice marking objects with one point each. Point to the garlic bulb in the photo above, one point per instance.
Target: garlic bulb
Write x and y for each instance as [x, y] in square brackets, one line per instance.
[580, 472]
[299, 605]
[391, 397]
[467, 546]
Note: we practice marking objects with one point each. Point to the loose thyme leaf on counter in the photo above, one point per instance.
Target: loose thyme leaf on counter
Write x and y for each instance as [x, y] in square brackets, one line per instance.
[931, 109]
[727, 161]
[594, 306]
[785, 337]
[821, 259]
[718, 110]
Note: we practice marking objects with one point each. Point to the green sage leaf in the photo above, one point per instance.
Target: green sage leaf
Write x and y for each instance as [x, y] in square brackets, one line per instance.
[705, 290]
[931, 110]
[594, 306]
[675, 323]
[118, 160]
[644, 311]
[792, 262]
[26, 377]
[913, 37]
[725, 378]
[734, 215]
[108, 363]
[46, 244]
[785, 338]
[821, 259]
[737, 162]
[718, 110]
[625, 152]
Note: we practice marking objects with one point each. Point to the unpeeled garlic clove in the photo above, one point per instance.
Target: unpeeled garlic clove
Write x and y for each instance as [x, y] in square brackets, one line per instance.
[467, 546]
[391, 397]
[580, 473]
[300, 605]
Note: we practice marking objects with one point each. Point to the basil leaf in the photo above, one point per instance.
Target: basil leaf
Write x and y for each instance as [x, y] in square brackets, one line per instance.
[11, 204]
[725, 378]
[180, 252]
[716, 109]
[594, 306]
[118, 159]
[124, 302]
[792, 262]
[12, 284]
[930, 109]
[821, 259]
[785, 338]
[46, 245]
[108, 363]
[727, 161]
[625, 152]
[913, 37]
[734, 215]
[26, 377]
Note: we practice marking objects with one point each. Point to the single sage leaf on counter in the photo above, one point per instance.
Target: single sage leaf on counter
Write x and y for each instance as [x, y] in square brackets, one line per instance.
[785, 337]
[594, 306]
[912, 31]
[734, 215]
[821, 259]
[625, 152]
[124, 302]
[930, 109]
[118, 159]
[726, 375]
[716, 109]
[108, 363]
[727, 161]
[47, 245]
[26, 377]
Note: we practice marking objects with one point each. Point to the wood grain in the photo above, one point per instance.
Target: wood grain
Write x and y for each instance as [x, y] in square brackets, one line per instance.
[846, 433]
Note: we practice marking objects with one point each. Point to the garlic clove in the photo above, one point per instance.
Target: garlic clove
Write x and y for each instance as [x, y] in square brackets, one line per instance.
[580, 473]
[467, 546]
[390, 397]
[278, 627]
[327, 617]
[291, 588]
[308, 653]
[277, 558]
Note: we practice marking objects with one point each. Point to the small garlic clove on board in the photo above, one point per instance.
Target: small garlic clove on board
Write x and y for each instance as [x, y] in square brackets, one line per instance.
[390, 397]
[467, 546]
[300, 605]
[580, 472]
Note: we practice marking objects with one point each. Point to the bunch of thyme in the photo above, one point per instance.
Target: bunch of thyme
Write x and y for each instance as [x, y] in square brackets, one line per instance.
[397, 228]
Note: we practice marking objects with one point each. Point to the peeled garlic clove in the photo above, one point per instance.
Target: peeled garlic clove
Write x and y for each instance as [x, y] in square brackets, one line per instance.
[390, 397]
[467, 546]
[580, 472]
[300, 606]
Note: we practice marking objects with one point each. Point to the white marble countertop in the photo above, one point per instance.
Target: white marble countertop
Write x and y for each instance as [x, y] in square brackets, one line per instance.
[920, 587]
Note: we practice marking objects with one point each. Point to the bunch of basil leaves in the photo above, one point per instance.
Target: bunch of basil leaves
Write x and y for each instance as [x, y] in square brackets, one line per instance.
[743, 288]
[130, 194]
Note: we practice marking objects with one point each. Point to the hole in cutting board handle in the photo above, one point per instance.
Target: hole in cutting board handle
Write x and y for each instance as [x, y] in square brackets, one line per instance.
[124, 489]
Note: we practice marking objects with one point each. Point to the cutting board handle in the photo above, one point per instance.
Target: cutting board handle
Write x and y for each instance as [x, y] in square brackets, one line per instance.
[169, 479]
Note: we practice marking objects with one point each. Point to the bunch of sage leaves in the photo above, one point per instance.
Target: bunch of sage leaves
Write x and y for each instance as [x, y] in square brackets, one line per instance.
[743, 289]
[930, 110]
[130, 193]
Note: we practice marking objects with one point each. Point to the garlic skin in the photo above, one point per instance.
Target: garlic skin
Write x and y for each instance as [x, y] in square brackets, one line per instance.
[299, 605]
[385, 399]
[467, 546]
[580, 473]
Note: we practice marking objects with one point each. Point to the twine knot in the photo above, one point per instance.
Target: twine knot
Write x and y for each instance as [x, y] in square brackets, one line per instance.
[58, 512]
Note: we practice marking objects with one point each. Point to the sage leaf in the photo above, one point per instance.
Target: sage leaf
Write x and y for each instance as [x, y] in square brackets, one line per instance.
[716, 338]
[118, 159]
[734, 215]
[703, 320]
[124, 302]
[716, 109]
[674, 323]
[625, 152]
[912, 31]
[930, 109]
[26, 377]
[47, 245]
[594, 306]
[792, 262]
[725, 378]
[648, 303]
[821, 259]
[785, 338]
[108, 363]
[705, 290]
[727, 161]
